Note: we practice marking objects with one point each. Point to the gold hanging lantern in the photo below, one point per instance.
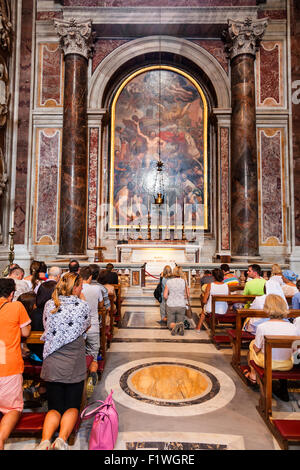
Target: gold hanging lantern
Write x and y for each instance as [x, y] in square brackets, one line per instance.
[159, 196]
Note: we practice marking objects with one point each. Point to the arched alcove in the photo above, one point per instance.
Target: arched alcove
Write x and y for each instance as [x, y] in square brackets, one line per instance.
[202, 59]
[187, 57]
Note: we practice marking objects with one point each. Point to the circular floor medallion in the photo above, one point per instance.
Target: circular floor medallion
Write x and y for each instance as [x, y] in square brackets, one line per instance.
[170, 386]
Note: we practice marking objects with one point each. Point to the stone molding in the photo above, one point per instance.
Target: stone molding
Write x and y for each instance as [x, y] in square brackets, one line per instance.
[160, 15]
[244, 37]
[202, 58]
[75, 37]
[5, 32]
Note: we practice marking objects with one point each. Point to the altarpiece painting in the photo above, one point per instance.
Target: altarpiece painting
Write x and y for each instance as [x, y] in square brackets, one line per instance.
[158, 113]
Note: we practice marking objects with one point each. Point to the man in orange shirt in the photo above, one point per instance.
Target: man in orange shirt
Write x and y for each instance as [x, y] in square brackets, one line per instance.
[14, 323]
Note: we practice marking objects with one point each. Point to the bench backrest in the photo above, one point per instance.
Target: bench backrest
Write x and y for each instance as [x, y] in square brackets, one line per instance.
[270, 343]
[35, 337]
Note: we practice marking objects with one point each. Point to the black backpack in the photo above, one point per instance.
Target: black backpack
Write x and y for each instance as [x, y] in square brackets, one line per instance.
[158, 291]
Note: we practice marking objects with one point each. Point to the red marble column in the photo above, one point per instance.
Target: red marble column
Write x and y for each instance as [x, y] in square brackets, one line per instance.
[75, 40]
[242, 41]
[73, 199]
[244, 201]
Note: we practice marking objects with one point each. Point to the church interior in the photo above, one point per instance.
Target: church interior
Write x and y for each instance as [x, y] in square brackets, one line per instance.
[153, 133]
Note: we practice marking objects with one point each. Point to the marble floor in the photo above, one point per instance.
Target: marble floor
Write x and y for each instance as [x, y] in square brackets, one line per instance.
[175, 392]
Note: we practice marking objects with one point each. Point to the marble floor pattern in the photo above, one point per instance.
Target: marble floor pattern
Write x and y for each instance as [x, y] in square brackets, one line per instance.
[217, 411]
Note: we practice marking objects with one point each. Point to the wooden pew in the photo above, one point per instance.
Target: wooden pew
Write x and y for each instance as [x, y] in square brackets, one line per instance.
[227, 318]
[107, 331]
[286, 431]
[237, 337]
[103, 312]
[31, 423]
[117, 317]
[33, 370]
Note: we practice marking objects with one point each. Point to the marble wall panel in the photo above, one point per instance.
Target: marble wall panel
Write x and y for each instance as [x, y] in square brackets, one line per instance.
[295, 72]
[93, 186]
[159, 3]
[49, 15]
[224, 183]
[269, 73]
[103, 47]
[23, 119]
[50, 76]
[272, 205]
[48, 150]
[272, 14]
[216, 49]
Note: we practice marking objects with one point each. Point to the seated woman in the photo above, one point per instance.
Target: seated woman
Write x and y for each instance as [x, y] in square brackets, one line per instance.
[176, 293]
[44, 294]
[217, 287]
[270, 287]
[66, 318]
[289, 278]
[276, 273]
[276, 309]
[33, 279]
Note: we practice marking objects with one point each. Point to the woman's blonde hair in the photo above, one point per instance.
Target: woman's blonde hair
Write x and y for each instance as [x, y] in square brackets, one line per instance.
[177, 272]
[65, 287]
[167, 272]
[275, 270]
[275, 306]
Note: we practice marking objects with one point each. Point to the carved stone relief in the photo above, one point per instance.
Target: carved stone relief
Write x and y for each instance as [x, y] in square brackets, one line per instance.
[4, 94]
[5, 25]
[75, 37]
[243, 37]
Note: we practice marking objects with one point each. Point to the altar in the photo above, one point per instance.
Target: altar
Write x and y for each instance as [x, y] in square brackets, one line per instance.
[157, 254]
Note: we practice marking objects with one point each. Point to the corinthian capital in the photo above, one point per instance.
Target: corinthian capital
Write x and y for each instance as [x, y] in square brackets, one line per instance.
[75, 37]
[5, 32]
[244, 37]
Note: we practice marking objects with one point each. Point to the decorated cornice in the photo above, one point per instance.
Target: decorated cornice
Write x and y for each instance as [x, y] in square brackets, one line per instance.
[75, 37]
[244, 37]
[5, 32]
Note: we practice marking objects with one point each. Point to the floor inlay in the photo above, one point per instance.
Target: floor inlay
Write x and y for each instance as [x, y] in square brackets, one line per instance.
[178, 441]
[135, 386]
[167, 384]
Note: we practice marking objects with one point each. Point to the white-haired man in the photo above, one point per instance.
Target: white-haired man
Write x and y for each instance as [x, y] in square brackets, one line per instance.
[54, 273]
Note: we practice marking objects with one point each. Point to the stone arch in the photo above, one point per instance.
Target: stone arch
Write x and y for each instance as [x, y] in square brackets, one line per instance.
[203, 59]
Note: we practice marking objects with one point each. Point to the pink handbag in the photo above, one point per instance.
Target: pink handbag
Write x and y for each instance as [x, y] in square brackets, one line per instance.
[105, 427]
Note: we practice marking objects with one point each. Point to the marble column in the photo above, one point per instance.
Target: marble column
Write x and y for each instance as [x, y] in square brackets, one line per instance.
[243, 38]
[76, 43]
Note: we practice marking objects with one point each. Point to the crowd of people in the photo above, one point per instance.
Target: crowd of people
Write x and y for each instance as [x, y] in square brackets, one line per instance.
[65, 307]
[270, 295]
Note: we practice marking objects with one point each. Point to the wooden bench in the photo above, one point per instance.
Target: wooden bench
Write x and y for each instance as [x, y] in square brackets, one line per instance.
[226, 319]
[118, 301]
[238, 337]
[107, 331]
[31, 423]
[33, 370]
[229, 317]
[286, 431]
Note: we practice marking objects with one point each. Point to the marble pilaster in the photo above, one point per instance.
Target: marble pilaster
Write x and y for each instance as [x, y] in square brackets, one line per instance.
[243, 38]
[75, 41]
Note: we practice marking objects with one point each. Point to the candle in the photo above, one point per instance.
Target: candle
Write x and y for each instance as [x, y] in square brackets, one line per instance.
[12, 219]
